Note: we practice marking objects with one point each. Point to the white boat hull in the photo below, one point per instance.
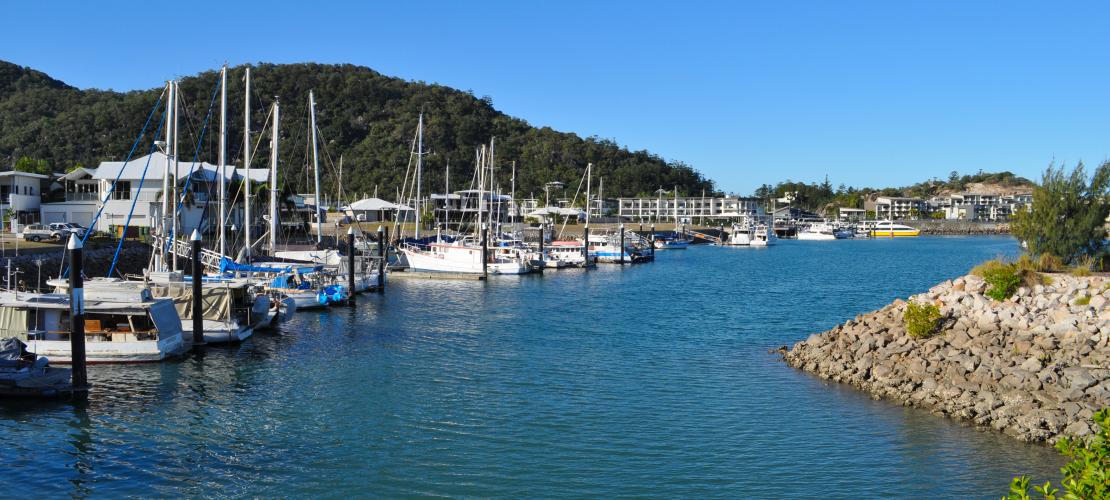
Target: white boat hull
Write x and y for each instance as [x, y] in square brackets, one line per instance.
[139, 351]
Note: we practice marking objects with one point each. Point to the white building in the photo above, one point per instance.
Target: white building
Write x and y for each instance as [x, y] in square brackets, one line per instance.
[895, 208]
[688, 208]
[134, 190]
[21, 193]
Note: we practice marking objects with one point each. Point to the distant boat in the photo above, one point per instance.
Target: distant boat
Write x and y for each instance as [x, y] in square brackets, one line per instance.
[891, 230]
[821, 232]
[676, 242]
[762, 236]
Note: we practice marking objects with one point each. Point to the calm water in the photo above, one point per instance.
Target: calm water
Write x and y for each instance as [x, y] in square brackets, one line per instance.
[651, 380]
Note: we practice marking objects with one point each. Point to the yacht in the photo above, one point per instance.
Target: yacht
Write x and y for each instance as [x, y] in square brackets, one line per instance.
[567, 253]
[889, 229]
[820, 232]
[762, 235]
[121, 325]
[462, 256]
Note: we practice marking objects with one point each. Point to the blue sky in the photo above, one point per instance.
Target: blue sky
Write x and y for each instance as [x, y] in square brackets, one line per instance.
[869, 93]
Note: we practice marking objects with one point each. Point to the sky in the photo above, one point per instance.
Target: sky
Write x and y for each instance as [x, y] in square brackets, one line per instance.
[867, 93]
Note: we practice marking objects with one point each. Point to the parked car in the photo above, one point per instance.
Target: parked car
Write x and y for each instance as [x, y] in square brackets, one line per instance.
[66, 228]
[39, 232]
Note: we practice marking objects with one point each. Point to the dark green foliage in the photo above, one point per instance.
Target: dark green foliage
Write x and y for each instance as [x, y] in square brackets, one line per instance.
[1088, 473]
[25, 164]
[818, 196]
[366, 117]
[921, 320]
[1003, 278]
[1068, 215]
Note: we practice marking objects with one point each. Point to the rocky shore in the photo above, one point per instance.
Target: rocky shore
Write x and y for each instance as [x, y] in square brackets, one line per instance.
[1035, 366]
[133, 258]
[959, 227]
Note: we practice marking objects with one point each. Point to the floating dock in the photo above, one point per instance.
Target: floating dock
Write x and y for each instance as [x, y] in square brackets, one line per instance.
[436, 275]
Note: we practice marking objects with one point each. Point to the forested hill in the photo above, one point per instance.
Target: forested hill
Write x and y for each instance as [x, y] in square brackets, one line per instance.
[366, 117]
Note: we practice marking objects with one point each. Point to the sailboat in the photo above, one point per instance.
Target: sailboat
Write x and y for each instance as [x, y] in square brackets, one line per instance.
[465, 254]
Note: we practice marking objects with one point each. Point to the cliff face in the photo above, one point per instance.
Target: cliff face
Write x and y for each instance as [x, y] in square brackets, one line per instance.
[1036, 366]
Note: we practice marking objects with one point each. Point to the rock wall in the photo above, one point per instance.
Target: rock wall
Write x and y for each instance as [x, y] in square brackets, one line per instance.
[957, 227]
[133, 259]
[1035, 366]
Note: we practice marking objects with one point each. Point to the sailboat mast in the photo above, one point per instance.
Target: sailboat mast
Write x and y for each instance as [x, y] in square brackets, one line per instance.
[160, 263]
[419, 168]
[176, 168]
[222, 222]
[512, 182]
[481, 166]
[491, 179]
[273, 177]
[247, 165]
[589, 169]
[315, 168]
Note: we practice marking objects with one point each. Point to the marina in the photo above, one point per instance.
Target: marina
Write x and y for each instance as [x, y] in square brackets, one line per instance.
[516, 399]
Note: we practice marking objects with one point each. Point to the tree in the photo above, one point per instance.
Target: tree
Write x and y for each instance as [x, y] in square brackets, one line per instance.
[1067, 216]
[31, 165]
[1086, 476]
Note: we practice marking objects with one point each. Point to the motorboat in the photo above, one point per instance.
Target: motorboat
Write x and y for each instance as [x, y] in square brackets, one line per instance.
[820, 232]
[762, 235]
[23, 374]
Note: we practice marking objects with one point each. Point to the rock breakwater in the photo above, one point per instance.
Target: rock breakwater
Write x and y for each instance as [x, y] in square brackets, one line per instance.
[1035, 366]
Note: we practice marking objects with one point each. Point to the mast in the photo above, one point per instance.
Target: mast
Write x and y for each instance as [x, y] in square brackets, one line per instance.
[512, 213]
[419, 168]
[315, 168]
[491, 178]
[600, 195]
[222, 221]
[446, 196]
[273, 177]
[481, 166]
[160, 263]
[176, 168]
[589, 168]
[247, 164]
[676, 207]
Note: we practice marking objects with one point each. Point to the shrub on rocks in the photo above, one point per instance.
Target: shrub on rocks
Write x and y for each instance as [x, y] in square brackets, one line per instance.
[1086, 476]
[1003, 279]
[921, 320]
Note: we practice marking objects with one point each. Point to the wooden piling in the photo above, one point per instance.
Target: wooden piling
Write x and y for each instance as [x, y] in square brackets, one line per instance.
[77, 317]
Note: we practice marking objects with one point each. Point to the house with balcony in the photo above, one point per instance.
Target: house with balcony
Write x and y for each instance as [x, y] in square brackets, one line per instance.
[688, 208]
[898, 208]
[21, 196]
[133, 190]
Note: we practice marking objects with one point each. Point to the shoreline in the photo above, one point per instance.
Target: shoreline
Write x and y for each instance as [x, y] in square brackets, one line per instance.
[1035, 366]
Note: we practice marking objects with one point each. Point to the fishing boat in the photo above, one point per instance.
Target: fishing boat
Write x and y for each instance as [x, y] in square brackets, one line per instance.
[121, 326]
[568, 253]
[23, 374]
[741, 235]
[762, 236]
[674, 242]
[889, 229]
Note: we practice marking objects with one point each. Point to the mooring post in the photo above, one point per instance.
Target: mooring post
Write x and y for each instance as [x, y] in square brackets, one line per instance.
[198, 292]
[77, 317]
[620, 227]
[351, 265]
[543, 257]
[485, 251]
[381, 260]
[652, 241]
[586, 245]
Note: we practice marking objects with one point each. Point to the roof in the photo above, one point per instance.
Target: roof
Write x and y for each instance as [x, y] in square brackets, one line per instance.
[259, 175]
[77, 174]
[557, 211]
[133, 170]
[373, 204]
[12, 173]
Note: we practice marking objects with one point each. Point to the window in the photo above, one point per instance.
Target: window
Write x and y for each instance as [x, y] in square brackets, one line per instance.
[122, 191]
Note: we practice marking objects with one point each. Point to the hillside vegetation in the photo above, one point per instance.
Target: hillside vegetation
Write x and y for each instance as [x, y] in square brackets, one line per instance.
[820, 196]
[366, 117]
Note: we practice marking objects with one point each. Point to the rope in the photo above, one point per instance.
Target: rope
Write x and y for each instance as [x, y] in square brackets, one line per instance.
[135, 199]
[193, 166]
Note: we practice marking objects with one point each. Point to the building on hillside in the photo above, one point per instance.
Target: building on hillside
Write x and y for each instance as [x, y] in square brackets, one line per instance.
[131, 194]
[688, 209]
[848, 214]
[21, 196]
[795, 214]
[896, 208]
[980, 206]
